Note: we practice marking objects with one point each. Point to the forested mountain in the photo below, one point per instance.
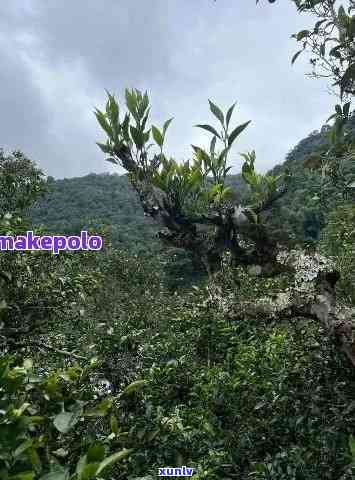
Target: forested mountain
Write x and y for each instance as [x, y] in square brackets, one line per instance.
[94, 200]
[300, 214]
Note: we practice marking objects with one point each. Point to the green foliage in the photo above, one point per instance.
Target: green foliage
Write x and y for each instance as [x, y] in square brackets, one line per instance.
[39, 289]
[127, 144]
[227, 397]
[338, 240]
[34, 408]
[21, 183]
[215, 162]
[188, 187]
[230, 399]
[181, 183]
[48, 415]
[330, 42]
[262, 187]
[96, 201]
[336, 164]
[320, 180]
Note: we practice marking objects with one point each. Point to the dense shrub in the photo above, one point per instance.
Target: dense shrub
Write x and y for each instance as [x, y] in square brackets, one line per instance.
[338, 240]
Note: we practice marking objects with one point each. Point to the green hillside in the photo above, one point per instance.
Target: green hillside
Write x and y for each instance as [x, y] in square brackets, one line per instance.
[95, 200]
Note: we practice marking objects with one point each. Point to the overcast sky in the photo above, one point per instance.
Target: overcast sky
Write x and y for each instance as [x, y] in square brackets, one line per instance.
[57, 57]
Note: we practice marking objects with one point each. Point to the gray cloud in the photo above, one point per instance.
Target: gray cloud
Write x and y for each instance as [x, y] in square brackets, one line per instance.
[23, 114]
[58, 57]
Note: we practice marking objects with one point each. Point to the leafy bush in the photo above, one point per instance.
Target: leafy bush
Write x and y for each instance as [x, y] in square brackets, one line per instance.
[45, 430]
[338, 240]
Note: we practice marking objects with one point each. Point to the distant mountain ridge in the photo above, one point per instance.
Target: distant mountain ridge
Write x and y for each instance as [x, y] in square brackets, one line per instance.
[95, 200]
